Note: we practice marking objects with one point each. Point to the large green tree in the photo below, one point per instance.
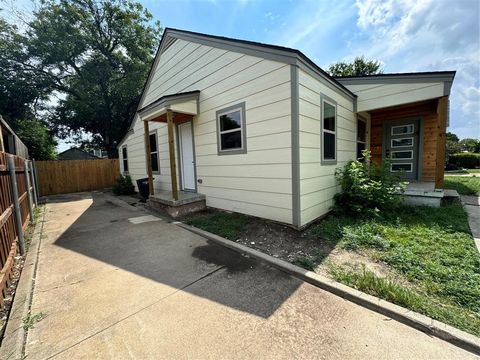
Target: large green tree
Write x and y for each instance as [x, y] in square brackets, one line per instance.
[358, 67]
[22, 91]
[96, 55]
[471, 145]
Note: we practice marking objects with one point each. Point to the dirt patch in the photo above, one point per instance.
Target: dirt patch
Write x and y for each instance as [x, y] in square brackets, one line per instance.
[16, 272]
[284, 242]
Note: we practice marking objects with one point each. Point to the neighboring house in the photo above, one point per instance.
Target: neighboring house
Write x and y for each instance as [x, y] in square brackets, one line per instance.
[102, 154]
[10, 142]
[260, 129]
[76, 154]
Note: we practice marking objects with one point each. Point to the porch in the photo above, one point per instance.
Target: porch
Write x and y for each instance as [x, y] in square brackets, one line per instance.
[412, 137]
[174, 110]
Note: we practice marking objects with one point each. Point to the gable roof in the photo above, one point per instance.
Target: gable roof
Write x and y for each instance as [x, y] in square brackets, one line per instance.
[268, 51]
[76, 154]
[273, 52]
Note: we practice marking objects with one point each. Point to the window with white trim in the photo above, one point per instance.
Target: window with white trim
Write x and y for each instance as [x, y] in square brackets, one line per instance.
[154, 152]
[125, 158]
[361, 136]
[329, 131]
[231, 130]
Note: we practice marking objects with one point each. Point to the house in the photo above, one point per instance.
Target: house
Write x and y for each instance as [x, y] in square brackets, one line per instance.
[260, 129]
[10, 142]
[76, 154]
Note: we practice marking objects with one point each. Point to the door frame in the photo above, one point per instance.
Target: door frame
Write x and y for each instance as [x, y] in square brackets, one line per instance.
[420, 140]
[180, 159]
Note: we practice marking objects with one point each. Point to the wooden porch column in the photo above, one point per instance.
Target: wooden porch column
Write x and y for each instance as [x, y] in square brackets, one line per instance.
[442, 113]
[171, 150]
[148, 157]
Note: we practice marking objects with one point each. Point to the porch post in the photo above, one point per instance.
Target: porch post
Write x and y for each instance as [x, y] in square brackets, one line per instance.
[147, 156]
[442, 114]
[171, 150]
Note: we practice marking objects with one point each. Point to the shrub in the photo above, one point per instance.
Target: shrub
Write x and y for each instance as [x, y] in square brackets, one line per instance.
[123, 186]
[466, 160]
[367, 188]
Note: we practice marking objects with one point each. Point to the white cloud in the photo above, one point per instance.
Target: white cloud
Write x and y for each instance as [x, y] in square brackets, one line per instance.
[427, 35]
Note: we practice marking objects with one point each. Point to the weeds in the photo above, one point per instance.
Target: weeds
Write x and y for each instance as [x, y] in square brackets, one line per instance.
[30, 320]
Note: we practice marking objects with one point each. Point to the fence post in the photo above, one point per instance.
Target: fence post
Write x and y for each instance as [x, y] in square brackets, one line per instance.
[34, 185]
[29, 190]
[35, 181]
[16, 204]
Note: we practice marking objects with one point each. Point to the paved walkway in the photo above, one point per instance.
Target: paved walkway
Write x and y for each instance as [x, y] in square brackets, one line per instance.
[117, 285]
[471, 204]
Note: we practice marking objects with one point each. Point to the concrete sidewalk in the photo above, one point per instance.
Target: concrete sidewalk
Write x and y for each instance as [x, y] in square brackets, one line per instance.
[117, 283]
[471, 203]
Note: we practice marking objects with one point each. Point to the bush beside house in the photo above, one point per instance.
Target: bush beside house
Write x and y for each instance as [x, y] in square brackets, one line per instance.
[123, 186]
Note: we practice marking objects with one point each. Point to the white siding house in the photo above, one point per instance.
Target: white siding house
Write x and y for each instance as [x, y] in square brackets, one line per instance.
[259, 129]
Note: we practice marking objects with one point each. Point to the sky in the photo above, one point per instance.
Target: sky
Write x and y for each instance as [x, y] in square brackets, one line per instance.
[405, 35]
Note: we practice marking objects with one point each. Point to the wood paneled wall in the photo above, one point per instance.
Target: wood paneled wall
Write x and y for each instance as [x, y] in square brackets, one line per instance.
[427, 111]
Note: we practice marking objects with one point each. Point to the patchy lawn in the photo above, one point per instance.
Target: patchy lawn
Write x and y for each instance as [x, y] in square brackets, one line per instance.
[421, 258]
[463, 184]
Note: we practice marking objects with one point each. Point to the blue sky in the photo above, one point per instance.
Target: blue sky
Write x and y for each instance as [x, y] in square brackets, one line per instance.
[405, 35]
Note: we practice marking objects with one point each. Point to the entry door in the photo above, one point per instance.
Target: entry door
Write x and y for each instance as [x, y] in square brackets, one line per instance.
[401, 146]
[187, 161]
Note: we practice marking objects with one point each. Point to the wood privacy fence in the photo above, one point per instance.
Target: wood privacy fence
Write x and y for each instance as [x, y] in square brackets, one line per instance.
[17, 196]
[68, 176]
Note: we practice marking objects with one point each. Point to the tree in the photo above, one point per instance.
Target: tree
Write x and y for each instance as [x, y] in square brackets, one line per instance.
[470, 145]
[96, 55]
[358, 67]
[37, 138]
[453, 145]
[21, 93]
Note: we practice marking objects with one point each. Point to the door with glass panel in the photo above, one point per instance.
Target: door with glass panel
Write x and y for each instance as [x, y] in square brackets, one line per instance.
[401, 147]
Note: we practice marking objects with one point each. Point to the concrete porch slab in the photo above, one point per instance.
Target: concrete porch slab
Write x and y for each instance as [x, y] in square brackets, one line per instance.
[423, 194]
[187, 202]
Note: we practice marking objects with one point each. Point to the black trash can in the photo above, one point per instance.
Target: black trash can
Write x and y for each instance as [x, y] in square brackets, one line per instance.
[143, 189]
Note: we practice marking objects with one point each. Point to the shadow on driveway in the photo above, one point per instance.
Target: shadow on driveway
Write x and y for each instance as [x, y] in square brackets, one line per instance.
[167, 254]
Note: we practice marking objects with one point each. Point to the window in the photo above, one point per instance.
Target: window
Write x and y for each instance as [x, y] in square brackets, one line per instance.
[329, 132]
[401, 167]
[361, 136]
[403, 129]
[154, 152]
[402, 142]
[125, 158]
[403, 155]
[231, 130]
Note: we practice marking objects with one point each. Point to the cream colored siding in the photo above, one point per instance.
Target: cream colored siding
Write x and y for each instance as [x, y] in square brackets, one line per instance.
[317, 181]
[256, 183]
[377, 96]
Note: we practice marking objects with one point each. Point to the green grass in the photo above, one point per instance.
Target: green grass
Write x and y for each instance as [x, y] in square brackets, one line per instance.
[397, 293]
[305, 262]
[227, 225]
[463, 184]
[473, 171]
[431, 249]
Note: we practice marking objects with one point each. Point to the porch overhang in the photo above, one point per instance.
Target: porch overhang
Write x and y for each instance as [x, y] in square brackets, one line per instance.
[386, 90]
[170, 109]
[182, 105]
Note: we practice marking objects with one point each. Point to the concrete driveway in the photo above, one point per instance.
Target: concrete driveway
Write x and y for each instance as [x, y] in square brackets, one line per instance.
[116, 285]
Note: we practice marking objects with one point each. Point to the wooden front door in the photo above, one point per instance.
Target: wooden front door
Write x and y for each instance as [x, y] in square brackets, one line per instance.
[401, 146]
